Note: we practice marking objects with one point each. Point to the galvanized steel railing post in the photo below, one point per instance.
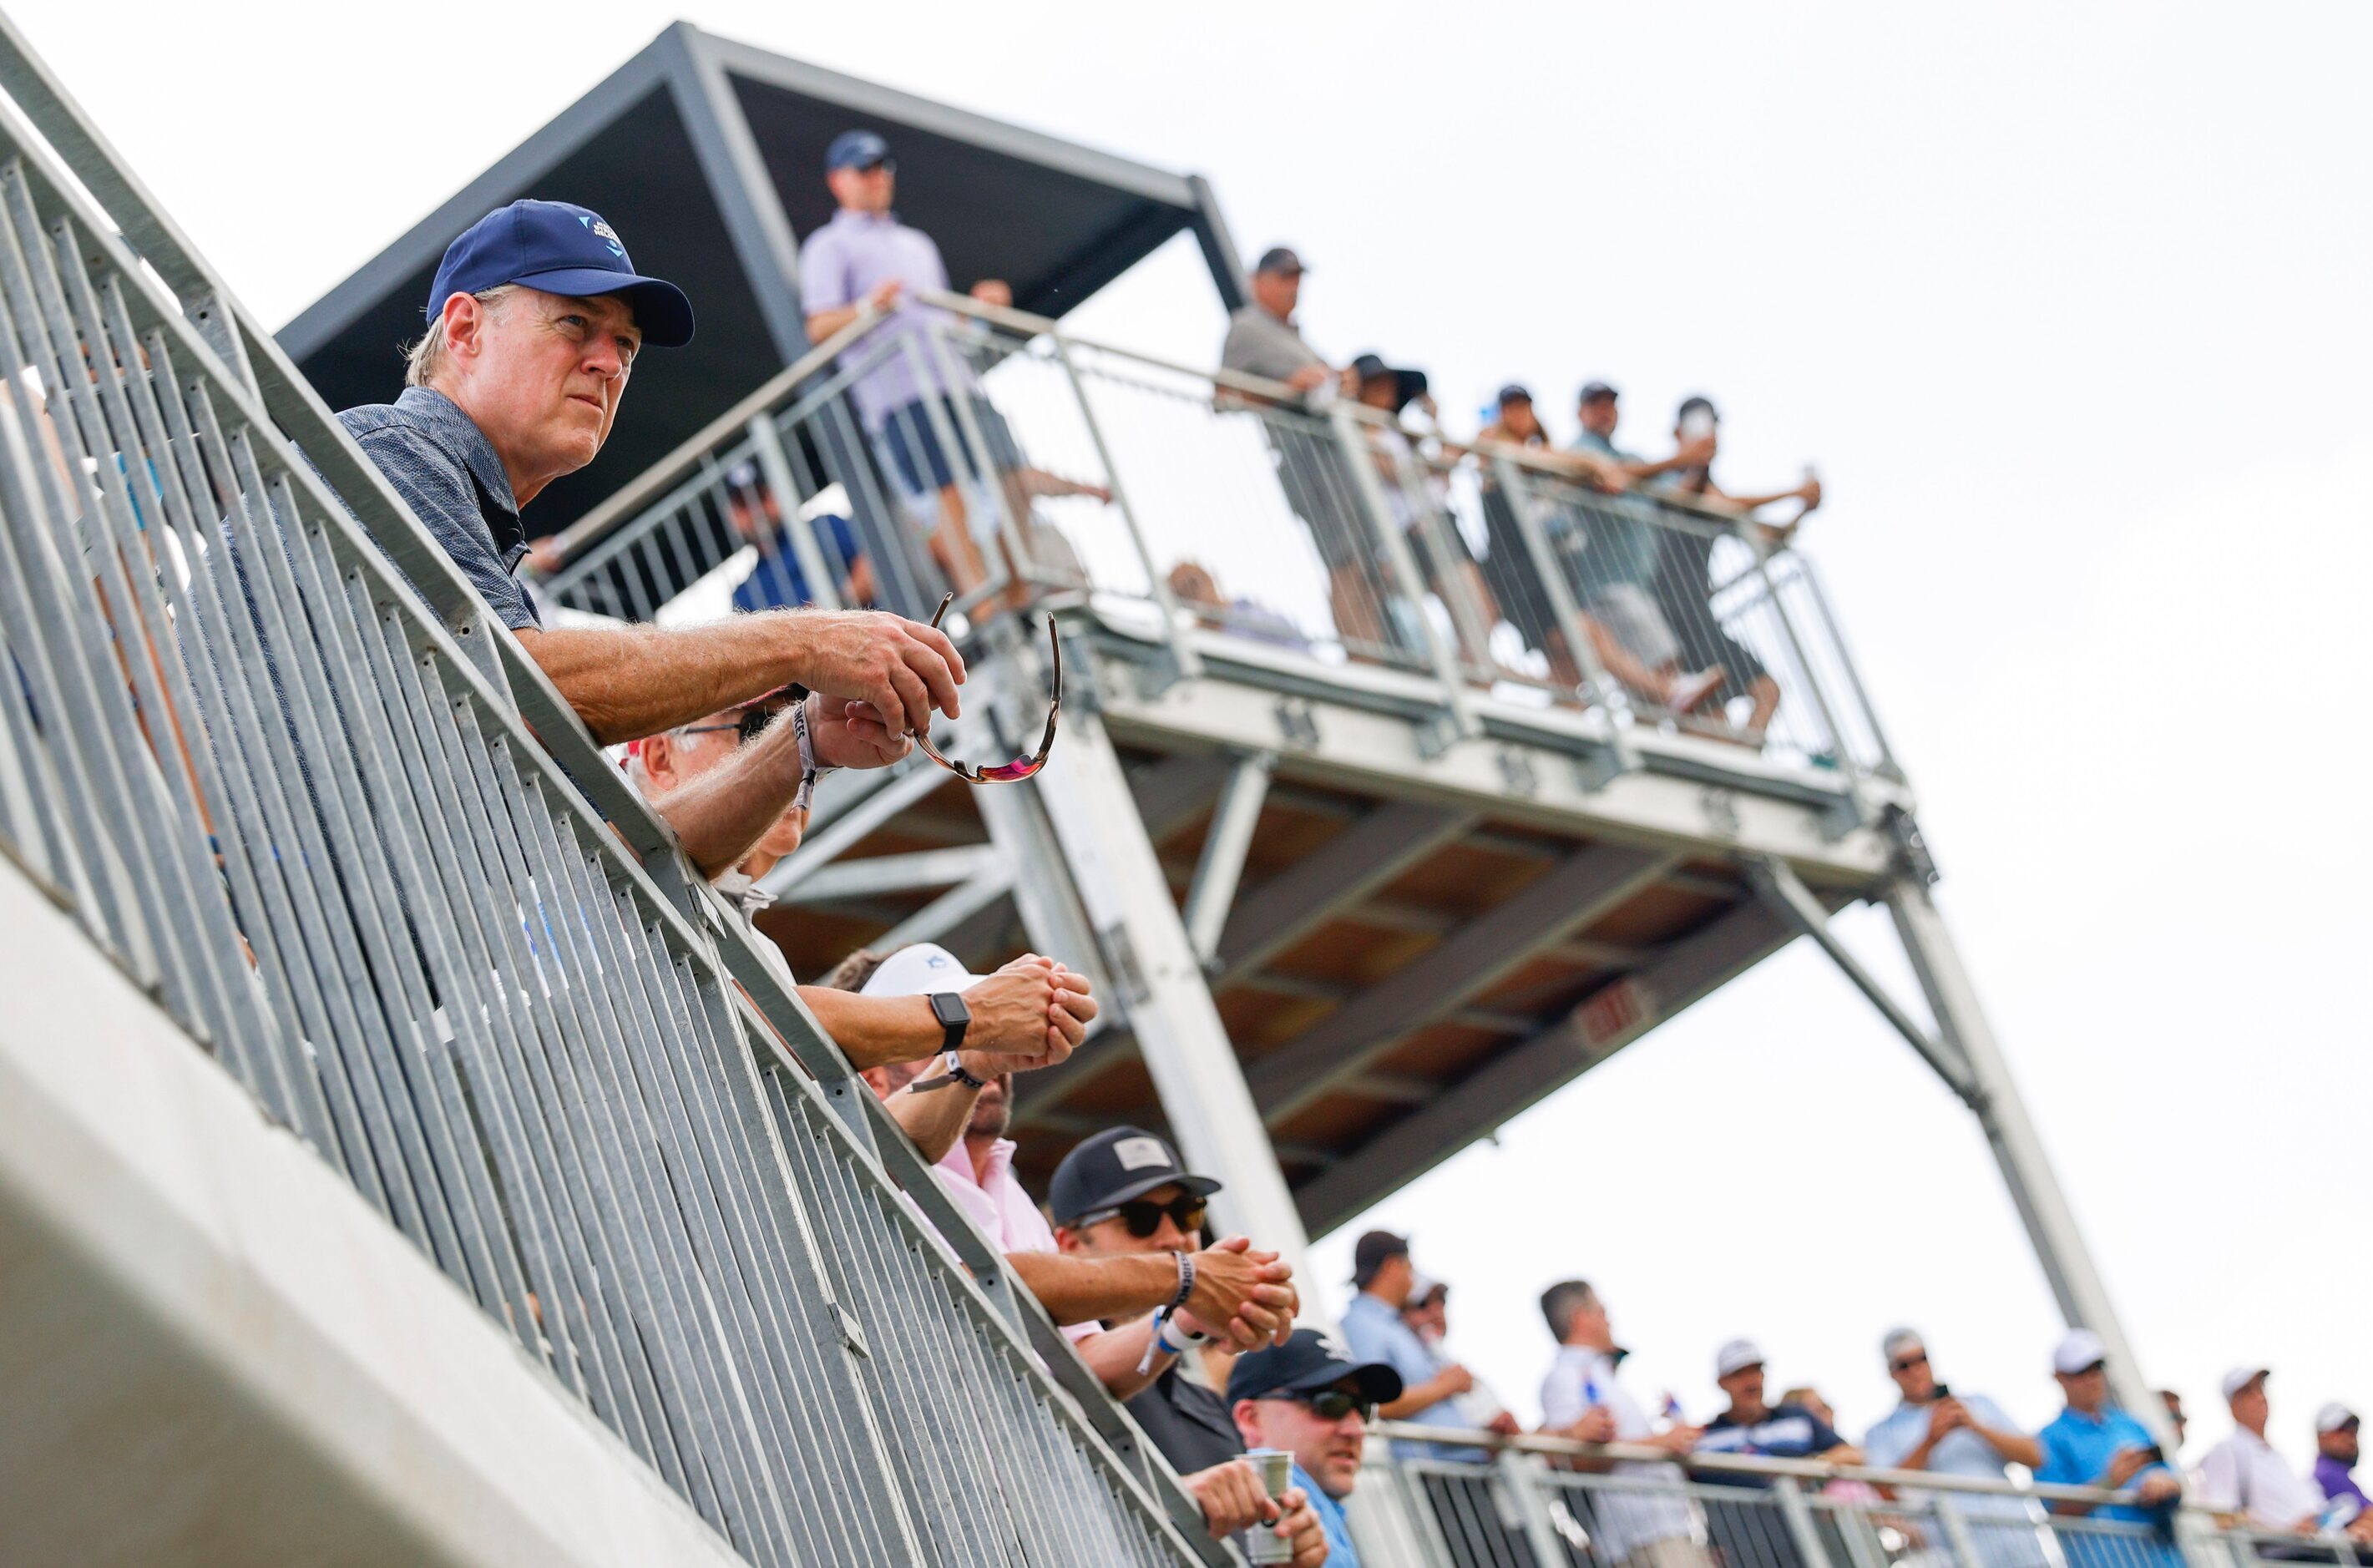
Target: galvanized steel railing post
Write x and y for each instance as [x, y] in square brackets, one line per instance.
[767, 444]
[1359, 459]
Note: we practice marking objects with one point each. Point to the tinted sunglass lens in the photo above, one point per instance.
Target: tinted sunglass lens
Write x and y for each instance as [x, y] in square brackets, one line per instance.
[1188, 1213]
[1334, 1405]
[1143, 1218]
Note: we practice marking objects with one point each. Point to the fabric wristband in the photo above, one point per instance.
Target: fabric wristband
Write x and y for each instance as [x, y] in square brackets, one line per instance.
[1186, 1282]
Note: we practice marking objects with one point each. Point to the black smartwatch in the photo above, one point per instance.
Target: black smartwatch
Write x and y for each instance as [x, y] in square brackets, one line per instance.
[955, 1017]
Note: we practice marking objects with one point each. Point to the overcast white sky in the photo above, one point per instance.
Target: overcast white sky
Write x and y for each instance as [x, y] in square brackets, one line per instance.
[2068, 304]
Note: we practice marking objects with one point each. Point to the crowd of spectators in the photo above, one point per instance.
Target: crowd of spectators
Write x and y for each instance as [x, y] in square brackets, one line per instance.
[535, 321]
[1643, 591]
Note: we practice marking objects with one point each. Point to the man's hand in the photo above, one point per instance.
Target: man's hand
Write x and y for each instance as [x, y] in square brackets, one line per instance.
[1031, 1013]
[1810, 492]
[994, 291]
[1310, 378]
[903, 668]
[1944, 1417]
[2159, 1488]
[1597, 1425]
[1246, 1295]
[1232, 1497]
[1505, 1424]
[1678, 1438]
[1454, 1380]
[885, 294]
[2128, 1463]
[1299, 1524]
[847, 733]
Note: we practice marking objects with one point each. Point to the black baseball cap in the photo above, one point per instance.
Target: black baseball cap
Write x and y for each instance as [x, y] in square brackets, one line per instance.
[1407, 384]
[1369, 1253]
[1514, 392]
[1114, 1167]
[1307, 1362]
[1280, 259]
[856, 149]
[559, 248]
[1593, 392]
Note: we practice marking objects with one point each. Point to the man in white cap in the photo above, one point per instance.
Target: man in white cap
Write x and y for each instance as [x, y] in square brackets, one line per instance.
[1957, 1434]
[1751, 1426]
[1229, 1288]
[2335, 1458]
[2242, 1478]
[2093, 1443]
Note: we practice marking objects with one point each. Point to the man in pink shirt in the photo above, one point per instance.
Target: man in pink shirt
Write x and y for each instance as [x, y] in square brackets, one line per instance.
[1227, 1288]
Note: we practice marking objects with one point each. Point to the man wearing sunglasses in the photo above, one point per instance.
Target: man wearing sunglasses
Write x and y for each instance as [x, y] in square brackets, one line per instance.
[1309, 1397]
[1957, 1434]
[1122, 1195]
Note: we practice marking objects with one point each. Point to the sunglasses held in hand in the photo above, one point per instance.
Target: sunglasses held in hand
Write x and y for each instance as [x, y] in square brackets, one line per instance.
[1020, 767]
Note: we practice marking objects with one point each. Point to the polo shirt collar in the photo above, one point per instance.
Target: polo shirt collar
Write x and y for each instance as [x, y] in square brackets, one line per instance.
[443, 418]
[870, 219]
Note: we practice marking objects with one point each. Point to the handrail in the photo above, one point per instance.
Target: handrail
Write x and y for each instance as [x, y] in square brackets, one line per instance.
[499, 812]
[1552, 1447]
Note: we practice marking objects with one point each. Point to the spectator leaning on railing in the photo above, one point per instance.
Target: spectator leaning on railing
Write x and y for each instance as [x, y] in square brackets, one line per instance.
[1235, 1289]
[2092, 1443]
[2335, 1462]
[1313, 1398]
[1583, 1399]
[1954, 1434]
[1783, 1430]
[2242, 1479]
[1123, 1194]
[535, 322]
[1431, 1387]
[1686, 579]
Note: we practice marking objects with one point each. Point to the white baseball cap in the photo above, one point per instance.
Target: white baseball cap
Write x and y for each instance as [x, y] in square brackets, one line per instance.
[922, 969]
[1899, 1341]
[2078, 1349]
[2332, 1417]
[1736, 1356]
[2240, 1377]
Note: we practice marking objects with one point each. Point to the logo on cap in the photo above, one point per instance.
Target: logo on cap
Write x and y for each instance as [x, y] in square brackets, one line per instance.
[1334, 1348]
[1137, 1154]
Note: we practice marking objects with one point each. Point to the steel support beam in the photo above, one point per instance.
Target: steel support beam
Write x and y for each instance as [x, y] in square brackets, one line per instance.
[896, 874]
[1786, 893]
[1174, 791]
[939, 920]
[1580, 889]
[1213, 892]
[1529, 1072]
[2027, 1171]
[1365, 857]
[1107, 856]
[861, 821]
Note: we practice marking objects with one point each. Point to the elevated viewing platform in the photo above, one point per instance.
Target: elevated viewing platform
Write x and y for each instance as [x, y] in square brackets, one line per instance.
[453, 1173]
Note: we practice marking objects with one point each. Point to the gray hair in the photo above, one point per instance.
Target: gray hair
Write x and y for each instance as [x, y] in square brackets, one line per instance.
[422, 359]
[1562, 1300]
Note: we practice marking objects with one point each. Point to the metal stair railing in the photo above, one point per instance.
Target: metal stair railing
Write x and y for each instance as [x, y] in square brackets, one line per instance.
[1523, 1505]
[307, 811]
[1342, 539]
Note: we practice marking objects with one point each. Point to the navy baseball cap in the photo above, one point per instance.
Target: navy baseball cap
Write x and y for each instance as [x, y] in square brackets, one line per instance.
[1116, 1166]
[1307, 1362]
[559, 248]
[1592, 391]
[1514, 392]
[856, 149]
[1280, 259]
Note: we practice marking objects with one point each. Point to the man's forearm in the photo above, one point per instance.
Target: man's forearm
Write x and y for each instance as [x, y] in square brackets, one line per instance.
[934, 1118]
[2018, 1448]
[720, 815]
[1430, 1392]
[871, 1030]
[629, 681]
[1090, 1290]
[1114, 1354]
[824, 323]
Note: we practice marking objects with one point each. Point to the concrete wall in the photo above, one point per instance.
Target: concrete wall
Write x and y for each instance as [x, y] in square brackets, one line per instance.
[212, 1351]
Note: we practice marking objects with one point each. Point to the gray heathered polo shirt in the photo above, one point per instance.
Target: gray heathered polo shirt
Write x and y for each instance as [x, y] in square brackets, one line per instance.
[446, 470]
[1260, 345]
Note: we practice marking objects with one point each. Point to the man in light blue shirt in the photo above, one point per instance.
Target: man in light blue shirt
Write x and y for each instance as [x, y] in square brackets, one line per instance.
[2093, 1443]
[1374, 1329]
[1958, 1434]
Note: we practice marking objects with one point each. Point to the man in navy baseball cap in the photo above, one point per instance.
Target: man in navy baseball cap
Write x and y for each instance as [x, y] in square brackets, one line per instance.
[559, 248]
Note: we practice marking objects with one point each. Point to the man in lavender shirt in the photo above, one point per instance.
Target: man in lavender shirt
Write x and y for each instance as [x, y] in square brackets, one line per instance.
[2335, 1458]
